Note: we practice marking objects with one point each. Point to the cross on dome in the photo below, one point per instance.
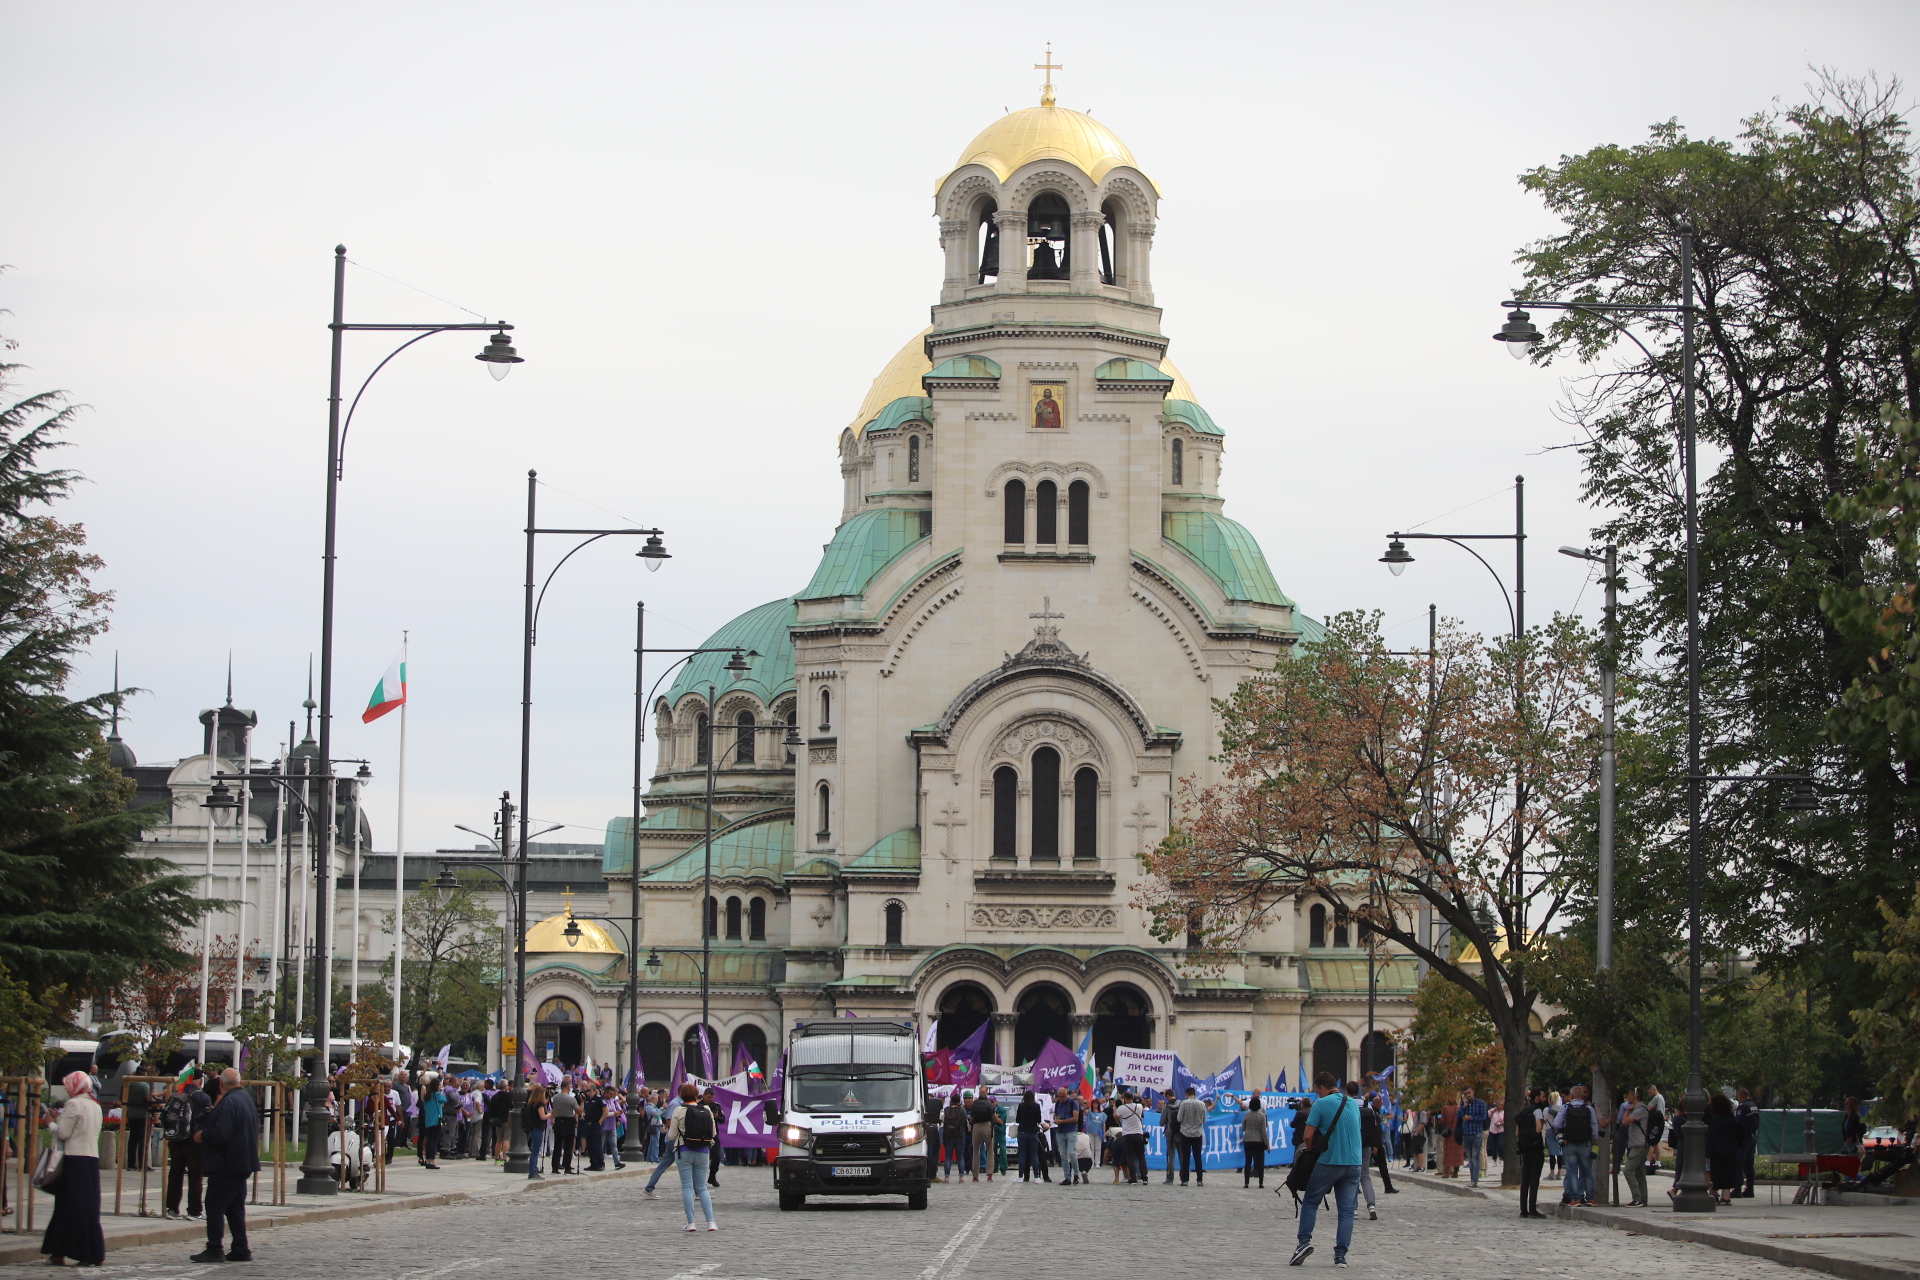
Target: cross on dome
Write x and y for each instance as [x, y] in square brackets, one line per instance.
[1049, 66]
[1046, 609]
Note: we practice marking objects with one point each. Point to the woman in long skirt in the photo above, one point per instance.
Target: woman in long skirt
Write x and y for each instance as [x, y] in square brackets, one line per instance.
[74, 1230]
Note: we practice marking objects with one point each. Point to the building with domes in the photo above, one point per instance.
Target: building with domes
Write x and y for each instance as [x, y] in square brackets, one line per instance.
[1007, 654]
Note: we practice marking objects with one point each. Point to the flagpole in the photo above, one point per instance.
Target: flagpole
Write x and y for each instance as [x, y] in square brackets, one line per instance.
[353, 979]
[240, 926]
[206, 891]
[400, 854]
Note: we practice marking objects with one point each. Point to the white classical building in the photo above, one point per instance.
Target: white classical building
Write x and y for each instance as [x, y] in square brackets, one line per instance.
[1007, 655]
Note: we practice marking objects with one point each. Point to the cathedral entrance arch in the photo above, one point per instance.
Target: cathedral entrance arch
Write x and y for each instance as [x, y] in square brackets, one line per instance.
[559, 1032]
[656, 1053]
[1043, 1012]
[1122, 1018]
[1330, 1055]
[963, 1009]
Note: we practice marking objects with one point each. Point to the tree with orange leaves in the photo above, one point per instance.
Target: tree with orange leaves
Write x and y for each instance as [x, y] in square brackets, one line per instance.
[1382, 783]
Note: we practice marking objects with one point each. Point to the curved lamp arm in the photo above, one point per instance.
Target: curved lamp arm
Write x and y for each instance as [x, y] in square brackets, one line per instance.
[1618, 326]
[340, 458]
[1507, 596]
[533, 634]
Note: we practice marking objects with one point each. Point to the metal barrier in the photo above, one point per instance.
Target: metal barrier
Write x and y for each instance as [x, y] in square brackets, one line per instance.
[23, 1094]
[271, 1102]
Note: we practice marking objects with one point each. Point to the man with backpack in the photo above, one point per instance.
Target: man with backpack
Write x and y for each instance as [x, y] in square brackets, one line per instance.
[1747, 1115]
[980, 1114]
[1576, 1128]
[1331, 1138]
[179, 1120]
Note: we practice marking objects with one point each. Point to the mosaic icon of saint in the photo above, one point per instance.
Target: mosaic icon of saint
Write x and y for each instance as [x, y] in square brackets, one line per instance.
[1046, 410]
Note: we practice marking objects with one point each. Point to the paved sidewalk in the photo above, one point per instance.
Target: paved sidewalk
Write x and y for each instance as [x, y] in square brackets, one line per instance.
[1860, 1241]
[408, 1187]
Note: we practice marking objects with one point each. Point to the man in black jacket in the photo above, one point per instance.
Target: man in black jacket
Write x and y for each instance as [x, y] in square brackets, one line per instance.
[229, 1138]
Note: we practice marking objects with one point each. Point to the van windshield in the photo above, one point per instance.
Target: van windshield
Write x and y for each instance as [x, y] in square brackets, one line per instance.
[840, 1089]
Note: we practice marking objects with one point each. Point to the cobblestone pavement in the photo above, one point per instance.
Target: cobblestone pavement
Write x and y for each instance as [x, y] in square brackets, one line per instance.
[1002, 1231]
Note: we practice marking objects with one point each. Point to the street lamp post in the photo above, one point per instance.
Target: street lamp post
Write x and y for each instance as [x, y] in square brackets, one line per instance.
[654, 553]
[499, 357]
[1608, 558]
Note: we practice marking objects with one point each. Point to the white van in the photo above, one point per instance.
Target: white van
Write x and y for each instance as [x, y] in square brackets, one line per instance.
[853, 1113]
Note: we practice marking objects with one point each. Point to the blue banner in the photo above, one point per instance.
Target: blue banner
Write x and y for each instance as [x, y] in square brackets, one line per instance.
[1222, 1148]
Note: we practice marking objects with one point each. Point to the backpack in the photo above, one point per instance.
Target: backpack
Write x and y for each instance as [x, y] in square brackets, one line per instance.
[696, 1126]
[176, 1118]
[982, 1111]
[1656, 1125]
[1578, 1127]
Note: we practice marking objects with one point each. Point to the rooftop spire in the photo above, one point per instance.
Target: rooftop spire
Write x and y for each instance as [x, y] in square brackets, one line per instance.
[229, 677]
[309, 704]
[1049, 66]
[114, 735]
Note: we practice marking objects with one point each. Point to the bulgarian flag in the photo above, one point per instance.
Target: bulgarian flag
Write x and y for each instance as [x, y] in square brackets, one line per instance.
[1087, 1081]
[391, 692]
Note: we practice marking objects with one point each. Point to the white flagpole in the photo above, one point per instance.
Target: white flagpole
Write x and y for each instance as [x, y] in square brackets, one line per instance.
[240, 927]
[400, 858]
[353, 980]
[206, 891]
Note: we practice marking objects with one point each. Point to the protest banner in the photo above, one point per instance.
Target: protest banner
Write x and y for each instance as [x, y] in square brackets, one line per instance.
[1144, 1068]
[745, 1123]
[1222, 1148]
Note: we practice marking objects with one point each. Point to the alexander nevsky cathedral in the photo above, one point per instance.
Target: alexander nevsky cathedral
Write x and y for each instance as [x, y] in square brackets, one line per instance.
[1007, 655]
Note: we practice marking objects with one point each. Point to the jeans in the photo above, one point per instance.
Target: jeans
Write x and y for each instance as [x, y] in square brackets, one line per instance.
[1029, 1155]
[1579, 1180]
[227, 1206]
[1636, 1170]
[1191, 1157]
[183, 1165]
[653, 1145]
[429, 1144]
[535, 1140]
[1173, 1148]
[1344, 1181]
[1066, 1145]
[667, 1161]
[693, 1181]
[983, 1148]
[1472, 1143]
[1531, 1161]
[955, 1156]
[1135, 1146]
[1253, 1163]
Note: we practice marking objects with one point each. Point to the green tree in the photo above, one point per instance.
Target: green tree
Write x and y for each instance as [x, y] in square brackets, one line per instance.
[1889, 1028]
[80, 908]
[26, 1020]
[452, 972]
[1806, 279]
[1449, 1045]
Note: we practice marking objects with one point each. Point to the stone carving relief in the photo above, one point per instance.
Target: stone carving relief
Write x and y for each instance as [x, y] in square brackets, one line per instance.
[1073, 743]
[986, 916]
[818, 755]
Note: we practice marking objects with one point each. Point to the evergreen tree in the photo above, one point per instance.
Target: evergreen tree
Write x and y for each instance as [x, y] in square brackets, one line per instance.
[80, 907]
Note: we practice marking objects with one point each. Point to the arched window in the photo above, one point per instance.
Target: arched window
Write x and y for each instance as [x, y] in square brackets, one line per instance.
[1107, 237]
[1196, 933]
[733, 918]
[701, 736]
[1340, 927]
[1330, 1055]
[1179, 463]
[1086, 815]
[757, 920]
[743, 748]
[1046, 805]
[989, 244]
[896, 922]
[1047, 221]
[1077, 494]
[826, 709]
[1016, 511]
[913, 459]
[713, 917]
[1317, 925]
[791, 714]
[656, 1053]
[1046, 505]
[1006, 811]
[825, 801]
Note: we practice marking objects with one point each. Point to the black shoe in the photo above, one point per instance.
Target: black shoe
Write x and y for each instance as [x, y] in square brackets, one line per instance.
[208, 1255]
[1300, 1255]
[1537, 1214]
[239, 1255]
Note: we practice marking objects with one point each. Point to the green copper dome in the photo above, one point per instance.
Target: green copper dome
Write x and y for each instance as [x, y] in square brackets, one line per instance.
[763, 629]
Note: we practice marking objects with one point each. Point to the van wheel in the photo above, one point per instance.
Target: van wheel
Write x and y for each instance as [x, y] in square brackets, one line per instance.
[791, 1200]
[916, 1199]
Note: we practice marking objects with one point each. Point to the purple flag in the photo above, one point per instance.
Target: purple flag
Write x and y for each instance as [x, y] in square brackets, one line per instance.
[706, 1052]
[679, 1076]
[743, 1120]
[529, 1065]
[1057, 1067]
[779, 1080]
[966, 1059]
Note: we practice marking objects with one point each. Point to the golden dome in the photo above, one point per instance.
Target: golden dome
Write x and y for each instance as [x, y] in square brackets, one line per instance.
[1182, 390]
[1048, 133]
[551, 935]
[900, 378]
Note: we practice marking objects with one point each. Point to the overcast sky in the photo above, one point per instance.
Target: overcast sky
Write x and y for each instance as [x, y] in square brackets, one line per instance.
[712, 224]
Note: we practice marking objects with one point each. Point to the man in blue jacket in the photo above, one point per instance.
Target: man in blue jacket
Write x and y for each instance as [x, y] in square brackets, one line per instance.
[229, 1137]
[1471, 1120]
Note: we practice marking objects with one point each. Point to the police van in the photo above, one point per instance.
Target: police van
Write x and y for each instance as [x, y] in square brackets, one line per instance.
[853, 1113]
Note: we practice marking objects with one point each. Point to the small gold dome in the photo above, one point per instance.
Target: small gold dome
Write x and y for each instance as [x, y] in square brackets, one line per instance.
[1048, 133]
[551, 935]
[1182, 390]
[900, 378]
